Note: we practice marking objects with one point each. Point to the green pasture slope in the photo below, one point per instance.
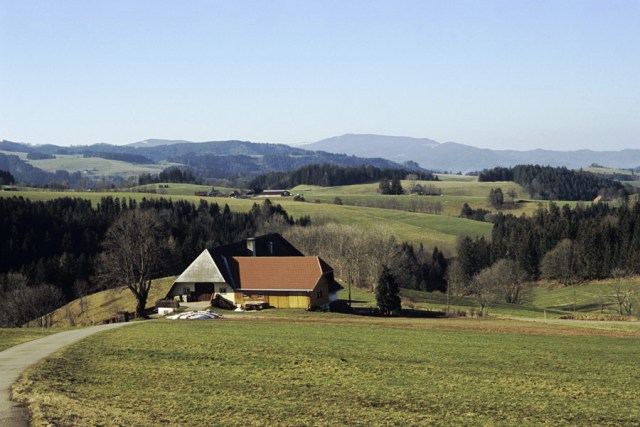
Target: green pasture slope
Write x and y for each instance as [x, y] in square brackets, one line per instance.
[331, 369]
[415, 227]
[592, 300]
[455, 193]
[93, 166]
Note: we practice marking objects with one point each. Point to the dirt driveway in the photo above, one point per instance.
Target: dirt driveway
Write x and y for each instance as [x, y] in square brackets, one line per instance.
[15, 360]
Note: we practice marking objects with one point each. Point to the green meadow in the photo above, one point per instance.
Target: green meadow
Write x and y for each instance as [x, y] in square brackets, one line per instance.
[430, 220]
[454, 194]
[594, 300]
[92, 166]
[415, 227]
[543, 302]
[330, 369]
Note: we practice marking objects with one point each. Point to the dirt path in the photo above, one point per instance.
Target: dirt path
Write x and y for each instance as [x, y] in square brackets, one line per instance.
[15, 360]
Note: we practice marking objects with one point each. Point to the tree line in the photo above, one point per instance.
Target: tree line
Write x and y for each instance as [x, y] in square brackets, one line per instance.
[359, 257]
[6, 178]
[556, 183]
[328, 175]
[27, 173]
[123, 157]
[56, 243]
[562, 244]
[173, 174]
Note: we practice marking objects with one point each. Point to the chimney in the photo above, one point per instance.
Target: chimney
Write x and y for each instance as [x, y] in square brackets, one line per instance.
[251, 245]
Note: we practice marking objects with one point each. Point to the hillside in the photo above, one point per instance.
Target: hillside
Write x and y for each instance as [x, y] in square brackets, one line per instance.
[87, 165]
[401, 148]
[95, 308]
[589, 300]
[222, 159]
[451, 156]
[415, 227]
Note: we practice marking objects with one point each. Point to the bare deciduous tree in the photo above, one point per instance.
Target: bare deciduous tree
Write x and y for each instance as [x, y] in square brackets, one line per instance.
[561, 263]
[136, 249]
[626, 296]
[351, 251]
[81, 289]
[24, 304]
[503, 281]
[483, 288]
[510, 280]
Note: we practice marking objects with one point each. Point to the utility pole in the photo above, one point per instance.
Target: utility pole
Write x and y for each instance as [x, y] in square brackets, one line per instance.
[349, 282]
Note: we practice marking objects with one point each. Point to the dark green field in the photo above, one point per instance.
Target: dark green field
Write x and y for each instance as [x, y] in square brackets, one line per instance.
[330, 369]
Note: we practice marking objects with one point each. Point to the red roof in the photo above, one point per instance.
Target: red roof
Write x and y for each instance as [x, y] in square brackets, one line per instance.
[277, 273]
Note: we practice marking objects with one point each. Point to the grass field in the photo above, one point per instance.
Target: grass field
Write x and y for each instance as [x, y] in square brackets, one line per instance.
[94, 166]
[415, 227]
[594, 299]
[14, 336]
[331, 369]
[174, 189]
[455, 193]
[608, 171]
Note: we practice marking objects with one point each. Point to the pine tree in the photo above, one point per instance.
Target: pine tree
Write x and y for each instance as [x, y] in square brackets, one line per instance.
[396, 186]
[387, 292]
[384, 187]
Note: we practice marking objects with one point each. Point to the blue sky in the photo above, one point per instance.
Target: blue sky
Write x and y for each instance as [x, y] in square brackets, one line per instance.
[560, 74]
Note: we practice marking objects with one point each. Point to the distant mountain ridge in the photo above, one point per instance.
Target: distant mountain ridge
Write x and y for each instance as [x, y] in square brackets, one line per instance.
[387, 147]
[156, 142]
[222, 159]
[213, 159]
[451, 156]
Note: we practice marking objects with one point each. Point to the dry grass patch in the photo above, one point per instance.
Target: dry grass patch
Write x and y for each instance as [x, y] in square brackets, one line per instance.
[94, 308]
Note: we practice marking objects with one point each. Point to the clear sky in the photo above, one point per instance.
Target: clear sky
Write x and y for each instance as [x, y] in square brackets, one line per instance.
[512, 74]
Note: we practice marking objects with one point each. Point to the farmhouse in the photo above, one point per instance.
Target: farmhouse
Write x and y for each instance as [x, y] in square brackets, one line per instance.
[265, 270]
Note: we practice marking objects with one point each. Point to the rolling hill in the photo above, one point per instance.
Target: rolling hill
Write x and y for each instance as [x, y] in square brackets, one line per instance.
[451, 156]
[214, 159]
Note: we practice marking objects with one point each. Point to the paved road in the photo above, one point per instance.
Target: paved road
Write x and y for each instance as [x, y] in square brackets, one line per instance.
[14, 360]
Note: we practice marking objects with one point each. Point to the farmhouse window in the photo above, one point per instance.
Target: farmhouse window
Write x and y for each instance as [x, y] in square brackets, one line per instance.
[260, 296]
[223, 290]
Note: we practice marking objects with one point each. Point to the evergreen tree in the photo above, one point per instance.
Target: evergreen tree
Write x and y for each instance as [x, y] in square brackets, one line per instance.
[387, 292]
[6, 178]
[384, 187]
[496, 198]
[396, 186]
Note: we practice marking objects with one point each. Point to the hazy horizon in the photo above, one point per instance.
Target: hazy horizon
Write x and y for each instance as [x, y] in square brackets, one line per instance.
[497, 74]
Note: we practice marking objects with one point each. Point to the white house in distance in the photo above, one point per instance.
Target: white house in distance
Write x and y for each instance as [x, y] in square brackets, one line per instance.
[263, 270]
[274, 193]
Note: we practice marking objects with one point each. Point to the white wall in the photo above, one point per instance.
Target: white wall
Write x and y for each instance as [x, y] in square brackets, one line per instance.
[228, 291]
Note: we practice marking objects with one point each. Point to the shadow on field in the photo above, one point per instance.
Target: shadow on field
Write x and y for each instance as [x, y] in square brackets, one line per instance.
[412, 313]
[580, 307]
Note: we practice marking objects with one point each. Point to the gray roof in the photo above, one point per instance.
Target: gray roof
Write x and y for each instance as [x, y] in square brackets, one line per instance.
[202, 270]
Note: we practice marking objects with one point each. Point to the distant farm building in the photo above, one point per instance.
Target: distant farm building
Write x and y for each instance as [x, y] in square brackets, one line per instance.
[262, 271]
[274, 193]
